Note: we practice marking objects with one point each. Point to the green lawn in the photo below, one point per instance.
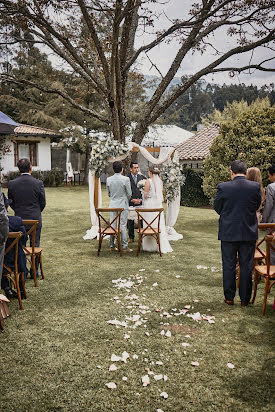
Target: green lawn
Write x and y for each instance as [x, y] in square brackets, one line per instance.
[55, 354]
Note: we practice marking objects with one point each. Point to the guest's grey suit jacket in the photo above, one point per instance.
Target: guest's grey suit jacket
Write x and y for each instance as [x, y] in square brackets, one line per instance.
[119, 190]
[269, 209]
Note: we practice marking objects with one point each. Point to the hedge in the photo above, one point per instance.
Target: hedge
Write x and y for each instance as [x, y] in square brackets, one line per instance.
[54, 177]
[192, 194]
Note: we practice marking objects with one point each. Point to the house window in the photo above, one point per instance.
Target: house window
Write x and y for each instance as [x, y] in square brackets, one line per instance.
[27, 150]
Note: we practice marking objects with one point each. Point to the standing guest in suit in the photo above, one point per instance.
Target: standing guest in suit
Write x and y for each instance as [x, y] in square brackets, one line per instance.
[136, 198]
[237, 202]
[119, 191]
[269, 209]
[4, 229]
[28, 196]
[15, 225]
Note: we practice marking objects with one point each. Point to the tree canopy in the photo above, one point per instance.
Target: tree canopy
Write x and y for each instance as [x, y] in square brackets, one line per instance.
[247, 133]
[95, 40]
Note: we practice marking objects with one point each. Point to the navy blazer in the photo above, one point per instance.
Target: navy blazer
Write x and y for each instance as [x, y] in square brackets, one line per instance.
[16, 225]
[237, 202]
[136, 193]
[28, 197]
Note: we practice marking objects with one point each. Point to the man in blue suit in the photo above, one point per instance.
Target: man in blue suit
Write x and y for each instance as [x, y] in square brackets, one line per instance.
[28, 197]
[236, 202]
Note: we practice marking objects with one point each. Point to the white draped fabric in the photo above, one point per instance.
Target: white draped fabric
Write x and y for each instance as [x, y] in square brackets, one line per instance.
[172, 207]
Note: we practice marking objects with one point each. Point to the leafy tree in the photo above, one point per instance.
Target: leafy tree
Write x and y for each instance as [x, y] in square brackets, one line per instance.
[247, 132]
[95, 41]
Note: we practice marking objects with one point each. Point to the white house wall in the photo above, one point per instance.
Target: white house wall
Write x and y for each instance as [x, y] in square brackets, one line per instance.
[43, 154]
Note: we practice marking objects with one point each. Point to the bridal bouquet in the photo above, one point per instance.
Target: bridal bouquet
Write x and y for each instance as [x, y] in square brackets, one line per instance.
[102, 151]
[172, 179]
[141, 184]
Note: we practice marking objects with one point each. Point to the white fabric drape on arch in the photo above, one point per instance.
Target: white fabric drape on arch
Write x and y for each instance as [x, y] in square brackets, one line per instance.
[172, 207]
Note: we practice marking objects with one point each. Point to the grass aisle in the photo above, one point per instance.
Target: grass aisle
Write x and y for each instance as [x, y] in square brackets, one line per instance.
[56, 354]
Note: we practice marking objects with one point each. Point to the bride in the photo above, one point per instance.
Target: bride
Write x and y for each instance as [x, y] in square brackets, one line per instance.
[152, 199]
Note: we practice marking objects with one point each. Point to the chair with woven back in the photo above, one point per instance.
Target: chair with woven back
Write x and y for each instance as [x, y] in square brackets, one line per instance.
[109, 226]
[11, 271]
[150, 225]
[33, 252]
[267, 271]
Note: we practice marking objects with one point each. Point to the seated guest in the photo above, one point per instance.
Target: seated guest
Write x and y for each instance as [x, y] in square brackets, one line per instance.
[15, 225]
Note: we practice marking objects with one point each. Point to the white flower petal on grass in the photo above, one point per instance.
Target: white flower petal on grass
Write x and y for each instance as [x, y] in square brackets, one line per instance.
[158, 377]
[147, 333]
[157, 270]
[115, 358]
[111, 385]
[112, 368]
[141, 270]
[195, 300]
[162, 332]
[177, 276]
[159, 363]
[185, 344]
[127, 336]
[155, 284]
[195, 363]
[165, 378]
[164, 395]
[125, 356]
[135, 356]
[145, 380]
[124, 378]
[230, 365]
[187, 336]
[187, 306]
[159, 410]
[168, 334]
[201, 267]
[99, 366]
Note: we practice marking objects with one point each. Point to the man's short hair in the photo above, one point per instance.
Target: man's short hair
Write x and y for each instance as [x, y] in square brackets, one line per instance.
[132, 164]
[271, 169]
[238, 167]
[117, 166]
[24, 165]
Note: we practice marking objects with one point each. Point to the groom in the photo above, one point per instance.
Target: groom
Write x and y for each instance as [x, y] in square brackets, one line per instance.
[136, 198]
[119, 191]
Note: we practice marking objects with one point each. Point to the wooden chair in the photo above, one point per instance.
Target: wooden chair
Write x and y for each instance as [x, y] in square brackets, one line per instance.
[260, 253]
[4, 310]
[33, 252]
[267, 271]
[107, 227]
[15, 281]
[151, 226]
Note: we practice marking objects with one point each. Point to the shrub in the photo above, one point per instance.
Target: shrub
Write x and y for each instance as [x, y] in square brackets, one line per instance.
[192, 193]
[54, 177]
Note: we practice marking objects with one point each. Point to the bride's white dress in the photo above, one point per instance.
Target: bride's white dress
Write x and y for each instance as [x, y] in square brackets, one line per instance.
[154, 201]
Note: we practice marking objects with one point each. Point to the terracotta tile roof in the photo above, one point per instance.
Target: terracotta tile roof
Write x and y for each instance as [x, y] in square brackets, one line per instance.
[26, 130]
[197, 147]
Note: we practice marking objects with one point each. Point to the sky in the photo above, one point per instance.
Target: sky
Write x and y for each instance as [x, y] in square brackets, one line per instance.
[163, 55]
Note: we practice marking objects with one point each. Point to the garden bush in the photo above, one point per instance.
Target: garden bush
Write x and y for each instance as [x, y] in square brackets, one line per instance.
[50, 178]
[191, 192]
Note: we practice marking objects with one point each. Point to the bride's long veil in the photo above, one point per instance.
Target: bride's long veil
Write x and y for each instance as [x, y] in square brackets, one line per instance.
[158, 188]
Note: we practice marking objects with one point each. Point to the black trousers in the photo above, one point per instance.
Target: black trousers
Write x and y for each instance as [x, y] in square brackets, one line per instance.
[230, 251]
[131, 229]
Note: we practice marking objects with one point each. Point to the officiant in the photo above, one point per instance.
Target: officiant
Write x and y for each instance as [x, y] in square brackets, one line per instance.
[136, 199]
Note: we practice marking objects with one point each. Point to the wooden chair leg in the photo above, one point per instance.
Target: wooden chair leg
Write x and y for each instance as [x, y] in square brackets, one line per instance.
[265, 295]
[22, 274]
[18, 290]
[41, 267]
[99, 245]
[256, 282]
[34, 270]
[139, 243]
[119, 244]
[158, 242]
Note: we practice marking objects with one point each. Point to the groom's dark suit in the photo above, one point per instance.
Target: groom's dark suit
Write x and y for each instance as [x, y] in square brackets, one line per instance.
[237, 202]
[136, 194]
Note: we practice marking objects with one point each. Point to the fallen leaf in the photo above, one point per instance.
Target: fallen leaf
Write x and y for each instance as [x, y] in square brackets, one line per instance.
[111, 385]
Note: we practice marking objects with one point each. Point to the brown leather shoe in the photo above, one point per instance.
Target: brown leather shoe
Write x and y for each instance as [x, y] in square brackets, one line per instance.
[113, 249]
[128, 250]
[131, 240]
[229, 302]
[244, 303]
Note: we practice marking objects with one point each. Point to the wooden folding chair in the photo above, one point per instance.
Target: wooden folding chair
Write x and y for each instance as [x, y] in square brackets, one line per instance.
[267, 271]
[4, 310]
[150, 227]
[15, 281]
[32, 252]
[107, 227]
